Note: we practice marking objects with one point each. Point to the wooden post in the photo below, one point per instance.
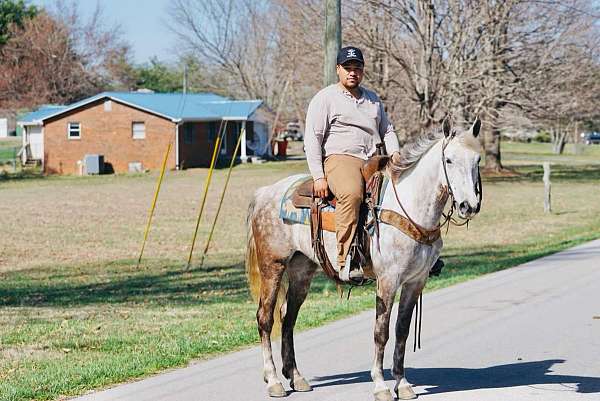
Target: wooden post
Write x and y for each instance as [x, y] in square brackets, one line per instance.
[333, 39]
[547, 188]
[577, 141]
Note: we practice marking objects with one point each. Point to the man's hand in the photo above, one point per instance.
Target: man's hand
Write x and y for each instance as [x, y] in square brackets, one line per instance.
[320, 188]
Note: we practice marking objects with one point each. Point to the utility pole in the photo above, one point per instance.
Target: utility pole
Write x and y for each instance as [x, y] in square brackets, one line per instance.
[333, 39]
[185, 78]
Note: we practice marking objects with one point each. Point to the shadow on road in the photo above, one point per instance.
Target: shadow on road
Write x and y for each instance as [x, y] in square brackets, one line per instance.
[443, 380]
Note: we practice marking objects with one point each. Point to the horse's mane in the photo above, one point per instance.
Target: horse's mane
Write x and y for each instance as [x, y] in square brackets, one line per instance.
[412, 153]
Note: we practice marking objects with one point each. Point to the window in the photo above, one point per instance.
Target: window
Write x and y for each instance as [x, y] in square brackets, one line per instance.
[107, 105]
[188, 133]
[74, 130]
[139, 130]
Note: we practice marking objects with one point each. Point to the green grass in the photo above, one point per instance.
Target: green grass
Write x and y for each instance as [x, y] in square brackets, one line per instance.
[517, 153]
[76, 314]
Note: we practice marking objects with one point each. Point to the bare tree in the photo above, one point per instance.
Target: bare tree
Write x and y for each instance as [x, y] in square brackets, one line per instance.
[426, 58]
[524, 49]
[564, 92]
[467, 58]
[239, 37]
[403, 40]
[105, 55]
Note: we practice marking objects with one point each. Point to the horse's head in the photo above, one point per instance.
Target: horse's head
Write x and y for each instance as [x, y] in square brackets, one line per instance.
[460, 160]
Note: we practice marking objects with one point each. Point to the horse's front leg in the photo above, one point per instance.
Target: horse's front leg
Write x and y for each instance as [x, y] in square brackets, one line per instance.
[408, 299]
[386, 293]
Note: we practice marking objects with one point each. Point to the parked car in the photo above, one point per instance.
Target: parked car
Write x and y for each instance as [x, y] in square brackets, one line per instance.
[592, 138]
[292, 132]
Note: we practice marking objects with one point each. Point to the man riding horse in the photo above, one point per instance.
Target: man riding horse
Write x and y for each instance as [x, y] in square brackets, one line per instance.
[346, 124]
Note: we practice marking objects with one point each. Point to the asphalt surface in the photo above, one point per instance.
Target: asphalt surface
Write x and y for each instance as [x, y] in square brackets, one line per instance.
[528, 333]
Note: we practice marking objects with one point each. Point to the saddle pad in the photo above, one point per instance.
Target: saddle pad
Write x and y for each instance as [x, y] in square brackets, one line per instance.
[291, 214]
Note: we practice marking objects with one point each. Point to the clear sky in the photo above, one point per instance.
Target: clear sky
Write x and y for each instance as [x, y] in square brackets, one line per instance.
[143, 24]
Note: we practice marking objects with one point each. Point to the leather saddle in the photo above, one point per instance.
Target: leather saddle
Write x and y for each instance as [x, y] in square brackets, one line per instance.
[303, 197]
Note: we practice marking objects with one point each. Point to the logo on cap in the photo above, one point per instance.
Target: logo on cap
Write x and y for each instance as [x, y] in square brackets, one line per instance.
[351, 53]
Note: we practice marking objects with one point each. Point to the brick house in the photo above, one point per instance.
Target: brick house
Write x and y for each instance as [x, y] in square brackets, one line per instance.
[132, 130]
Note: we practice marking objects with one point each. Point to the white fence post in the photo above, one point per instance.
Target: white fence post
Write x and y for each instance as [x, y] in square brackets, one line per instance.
[547, 188]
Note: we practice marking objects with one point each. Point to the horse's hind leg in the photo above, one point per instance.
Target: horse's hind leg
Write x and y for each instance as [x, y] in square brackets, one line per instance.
[408, 299]
[386, 291]
[271, 272]
[300, 272]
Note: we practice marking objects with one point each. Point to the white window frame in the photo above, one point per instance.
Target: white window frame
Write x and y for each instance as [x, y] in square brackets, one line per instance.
[133, 131]
[69, 128]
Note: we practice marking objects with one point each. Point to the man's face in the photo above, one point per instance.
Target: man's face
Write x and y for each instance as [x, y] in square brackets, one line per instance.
[350, 74]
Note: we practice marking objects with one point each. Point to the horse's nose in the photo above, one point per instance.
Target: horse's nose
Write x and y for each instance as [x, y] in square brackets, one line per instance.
[465, 208]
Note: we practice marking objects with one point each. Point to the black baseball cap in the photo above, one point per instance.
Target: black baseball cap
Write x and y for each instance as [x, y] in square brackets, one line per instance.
[350, 53]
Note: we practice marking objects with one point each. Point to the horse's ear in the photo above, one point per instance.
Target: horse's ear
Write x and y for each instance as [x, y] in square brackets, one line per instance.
[476, 127]
[446, 128]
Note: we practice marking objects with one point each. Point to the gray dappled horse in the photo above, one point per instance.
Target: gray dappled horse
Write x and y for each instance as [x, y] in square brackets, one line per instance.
[443, 165]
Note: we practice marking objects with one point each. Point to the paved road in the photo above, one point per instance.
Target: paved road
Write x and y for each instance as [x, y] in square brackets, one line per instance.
[528, 333]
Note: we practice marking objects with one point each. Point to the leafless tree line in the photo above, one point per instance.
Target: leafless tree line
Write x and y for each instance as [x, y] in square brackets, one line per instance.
[515, 63]
[533, 61]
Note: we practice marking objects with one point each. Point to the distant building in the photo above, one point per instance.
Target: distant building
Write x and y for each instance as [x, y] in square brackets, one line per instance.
[131, 130]
[7, 123]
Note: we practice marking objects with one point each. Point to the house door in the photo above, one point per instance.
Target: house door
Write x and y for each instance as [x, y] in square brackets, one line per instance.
[36, 142]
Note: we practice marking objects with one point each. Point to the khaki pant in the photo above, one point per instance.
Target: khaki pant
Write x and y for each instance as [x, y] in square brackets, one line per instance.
[346, 182]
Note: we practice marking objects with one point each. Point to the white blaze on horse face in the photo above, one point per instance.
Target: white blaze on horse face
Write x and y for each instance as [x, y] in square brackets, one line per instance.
[462, 164]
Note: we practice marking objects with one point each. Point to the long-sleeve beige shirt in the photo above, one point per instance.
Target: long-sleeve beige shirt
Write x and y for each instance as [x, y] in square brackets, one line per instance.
[338, 123]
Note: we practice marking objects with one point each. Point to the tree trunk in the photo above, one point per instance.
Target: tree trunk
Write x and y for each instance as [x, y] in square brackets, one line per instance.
[492, 150]
[333, 39]
[559, 142]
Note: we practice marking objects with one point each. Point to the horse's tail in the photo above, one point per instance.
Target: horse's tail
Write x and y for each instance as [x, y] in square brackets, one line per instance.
[252, 269]
[255, 278]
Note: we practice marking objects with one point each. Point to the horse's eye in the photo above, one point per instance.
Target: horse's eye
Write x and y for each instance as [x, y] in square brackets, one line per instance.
[448, 161]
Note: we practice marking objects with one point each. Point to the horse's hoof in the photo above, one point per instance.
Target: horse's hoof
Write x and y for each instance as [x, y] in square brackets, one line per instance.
[276, 390]
[384, 395]
[406, 392]
[300, 384]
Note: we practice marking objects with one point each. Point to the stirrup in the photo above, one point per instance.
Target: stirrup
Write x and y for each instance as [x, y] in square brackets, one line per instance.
[349, 275]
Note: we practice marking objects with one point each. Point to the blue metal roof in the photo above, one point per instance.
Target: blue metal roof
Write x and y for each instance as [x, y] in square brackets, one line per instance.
[37, 115]
[174, 106]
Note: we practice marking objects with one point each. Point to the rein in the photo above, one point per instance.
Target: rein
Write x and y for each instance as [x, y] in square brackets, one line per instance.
[431, 235]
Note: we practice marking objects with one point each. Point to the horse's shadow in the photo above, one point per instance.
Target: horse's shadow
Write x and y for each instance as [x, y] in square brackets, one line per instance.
[443, 380]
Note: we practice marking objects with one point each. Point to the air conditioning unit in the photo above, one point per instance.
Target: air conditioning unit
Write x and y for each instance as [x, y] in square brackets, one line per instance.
[136, 167]
[93, 164]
